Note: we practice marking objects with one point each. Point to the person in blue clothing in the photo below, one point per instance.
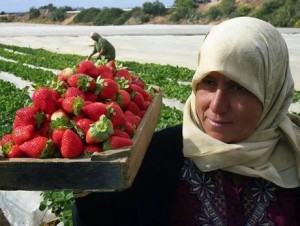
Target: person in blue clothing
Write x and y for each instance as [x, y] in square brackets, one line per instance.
[235, 160]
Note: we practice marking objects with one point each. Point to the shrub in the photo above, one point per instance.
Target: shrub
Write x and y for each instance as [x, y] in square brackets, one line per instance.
[156, 8]
[241, 10]
[108, 16]
[214, 13]
[87, 16]
[58, 15]
[34, 13]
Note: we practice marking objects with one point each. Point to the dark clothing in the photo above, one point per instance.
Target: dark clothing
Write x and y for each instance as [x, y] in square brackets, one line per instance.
[170, 190]
[106, 49]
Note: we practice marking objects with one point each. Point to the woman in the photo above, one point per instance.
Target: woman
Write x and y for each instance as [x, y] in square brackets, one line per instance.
[236, 158]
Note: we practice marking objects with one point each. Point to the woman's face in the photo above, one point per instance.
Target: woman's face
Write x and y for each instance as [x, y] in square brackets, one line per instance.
[227, 111]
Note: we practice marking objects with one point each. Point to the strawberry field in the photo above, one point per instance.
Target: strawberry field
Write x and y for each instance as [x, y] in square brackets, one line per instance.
[22, 69]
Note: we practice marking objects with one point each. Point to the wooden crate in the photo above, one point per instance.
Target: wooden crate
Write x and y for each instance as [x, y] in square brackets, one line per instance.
[112, 170]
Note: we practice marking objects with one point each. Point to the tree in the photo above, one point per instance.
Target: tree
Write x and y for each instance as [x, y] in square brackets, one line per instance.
[34, 13]
[156, 8]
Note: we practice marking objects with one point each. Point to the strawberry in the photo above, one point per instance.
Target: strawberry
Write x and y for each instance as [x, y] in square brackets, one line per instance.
[89, 96]
[129, 128]
[132, 106]
[71, 144]
[147, 96]
[84, 124]
[6, 139]
[73, 105]
[38, 147]
[105, 72]
[74, 92]
[73, 80]
[121, 133]
[64, 74]
[90, 149]
[137, 81]
[112, 65]
[132, 118]
[115, 114]
[57, 136]
[14, 152]
[115, 142]
[123, 72]
[123, 98]
[107, 88]
[87, 67]
[23, 133]
[99, 131]
[44, 100]
[138, 98]
[82, 82]
[25, 116]
[58, 114]
[94, 110]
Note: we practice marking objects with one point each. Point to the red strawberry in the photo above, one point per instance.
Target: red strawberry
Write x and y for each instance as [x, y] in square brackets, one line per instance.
[115, 114]
[99, 131]
[44, 100]
[123, 72]
[23, 133]
[132, 118]
[123, 98]
[121, 133]
[14, 152]
[147, 96]
[94, 110]
[57, 136]
[87, 67]
[25, 116]
[132, 106]
[137, 81]
[115, 142]
[105, 72]
[138, 98]
[73, 105]
[82, 82]
[89, 96]
[6, 139]
[73, 80]
[71, 145]
[38, 147]
[90, 149]
[129, 128]
[64, 74]
[84, 124]
[112, 65]
[77, 117]
[74, 92]
[107, 88]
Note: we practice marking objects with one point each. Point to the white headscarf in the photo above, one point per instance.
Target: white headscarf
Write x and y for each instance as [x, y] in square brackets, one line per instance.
[252, 53]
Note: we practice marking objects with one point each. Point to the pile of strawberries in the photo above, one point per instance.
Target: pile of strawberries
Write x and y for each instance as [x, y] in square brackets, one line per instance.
[92, 107]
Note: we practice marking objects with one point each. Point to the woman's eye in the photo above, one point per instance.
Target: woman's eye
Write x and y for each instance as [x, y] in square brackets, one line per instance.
[208, 81]
[237, 87]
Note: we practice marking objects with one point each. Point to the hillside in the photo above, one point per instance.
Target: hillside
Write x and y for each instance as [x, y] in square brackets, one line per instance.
[273, 11]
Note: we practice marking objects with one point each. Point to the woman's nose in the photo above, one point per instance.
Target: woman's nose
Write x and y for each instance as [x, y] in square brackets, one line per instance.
[219, 101]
